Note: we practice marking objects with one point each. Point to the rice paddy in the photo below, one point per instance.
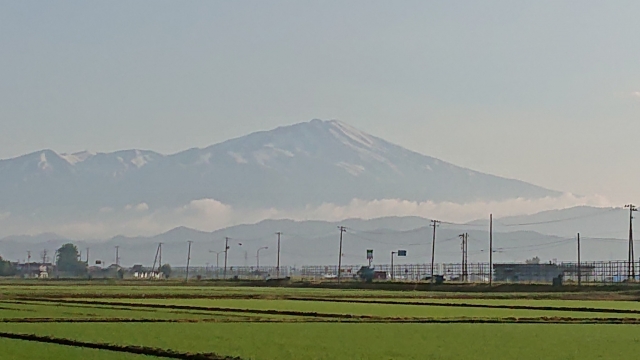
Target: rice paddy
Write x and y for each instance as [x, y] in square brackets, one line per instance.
[206, 321]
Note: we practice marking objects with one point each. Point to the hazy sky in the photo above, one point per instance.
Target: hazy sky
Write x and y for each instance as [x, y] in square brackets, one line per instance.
[543, 91]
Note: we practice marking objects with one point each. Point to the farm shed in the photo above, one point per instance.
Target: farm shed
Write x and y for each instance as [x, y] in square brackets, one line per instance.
[535, 272]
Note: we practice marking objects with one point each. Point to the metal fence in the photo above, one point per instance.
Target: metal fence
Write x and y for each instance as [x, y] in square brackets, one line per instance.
[586, 272]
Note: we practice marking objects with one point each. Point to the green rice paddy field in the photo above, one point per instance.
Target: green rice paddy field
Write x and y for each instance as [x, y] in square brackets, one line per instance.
[125, 321]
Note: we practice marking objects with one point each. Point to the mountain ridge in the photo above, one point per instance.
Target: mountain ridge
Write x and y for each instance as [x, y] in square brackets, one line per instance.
[315, 243]
[290, 168]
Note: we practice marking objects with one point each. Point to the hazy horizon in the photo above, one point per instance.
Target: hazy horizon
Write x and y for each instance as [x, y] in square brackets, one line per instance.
[547, 93]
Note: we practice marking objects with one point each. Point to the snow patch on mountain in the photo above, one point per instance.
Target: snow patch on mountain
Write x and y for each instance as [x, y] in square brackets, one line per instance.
[70, 158]
[140, 160]
[77, 157]
[204, 158]
[262, 157]
[269, 152]
[352, 133]
[44, 164]
[352, 169]
[278, 151]
[237, 157]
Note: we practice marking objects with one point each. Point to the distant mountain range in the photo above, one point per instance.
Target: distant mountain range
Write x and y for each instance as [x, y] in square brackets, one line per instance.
[589, 221]
[289, 167]
[316, 242]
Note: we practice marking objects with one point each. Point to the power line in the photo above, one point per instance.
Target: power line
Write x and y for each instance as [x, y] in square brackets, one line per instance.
[249, 239]
[383, 242]
[533, 248]
[459, 224]
[390, 231]
[604, 239]
[307, 236]
[559, 220]
[395, 243]
[536, 245]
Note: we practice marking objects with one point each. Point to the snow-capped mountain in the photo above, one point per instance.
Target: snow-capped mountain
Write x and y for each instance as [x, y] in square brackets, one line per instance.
[289, 167]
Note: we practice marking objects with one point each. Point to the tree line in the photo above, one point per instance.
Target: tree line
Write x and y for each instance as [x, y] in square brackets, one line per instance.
[68, 261]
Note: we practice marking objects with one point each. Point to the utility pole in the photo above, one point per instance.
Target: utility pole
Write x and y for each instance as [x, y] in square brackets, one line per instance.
[55, 256]
[466, 257]
[160, 255]
[392, 272]
[44, 256]
[434, 224]
[632, 266]
[87, 256]
[188, 259]
[464, 270]
[226, 251]
[579, 264]
[258, 256]
[490, 249]
[155, 259]
[217, 261]
[278, 261]
[29, 263]
[117, 255]
[342, 230]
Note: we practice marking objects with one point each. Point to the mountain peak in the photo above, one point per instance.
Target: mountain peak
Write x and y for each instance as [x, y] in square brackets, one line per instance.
[288, 168]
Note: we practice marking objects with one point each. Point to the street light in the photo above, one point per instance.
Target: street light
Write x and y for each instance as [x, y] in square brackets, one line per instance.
[258, 256]
[217, 261]
[226, 253]
[399, 253]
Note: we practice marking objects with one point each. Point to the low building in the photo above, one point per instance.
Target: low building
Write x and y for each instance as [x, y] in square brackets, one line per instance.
[112, 272]
[34, 270]
[543, 273]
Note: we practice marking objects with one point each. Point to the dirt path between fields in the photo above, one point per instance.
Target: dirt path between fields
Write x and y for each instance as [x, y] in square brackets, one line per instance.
[462, 320]
[139, 350]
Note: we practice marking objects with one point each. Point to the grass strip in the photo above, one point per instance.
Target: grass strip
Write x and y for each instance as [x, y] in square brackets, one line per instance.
[469, 305]
[213, 309]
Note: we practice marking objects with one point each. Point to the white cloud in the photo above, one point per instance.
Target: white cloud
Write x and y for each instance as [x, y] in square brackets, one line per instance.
[636, 94]
[210, 214]
[446, 211]
[4, 215]
[142, 207]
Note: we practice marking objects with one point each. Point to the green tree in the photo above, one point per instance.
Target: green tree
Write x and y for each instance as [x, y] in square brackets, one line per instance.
[533, 261]
[165, 270]
[6, 268]
[67, 260]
